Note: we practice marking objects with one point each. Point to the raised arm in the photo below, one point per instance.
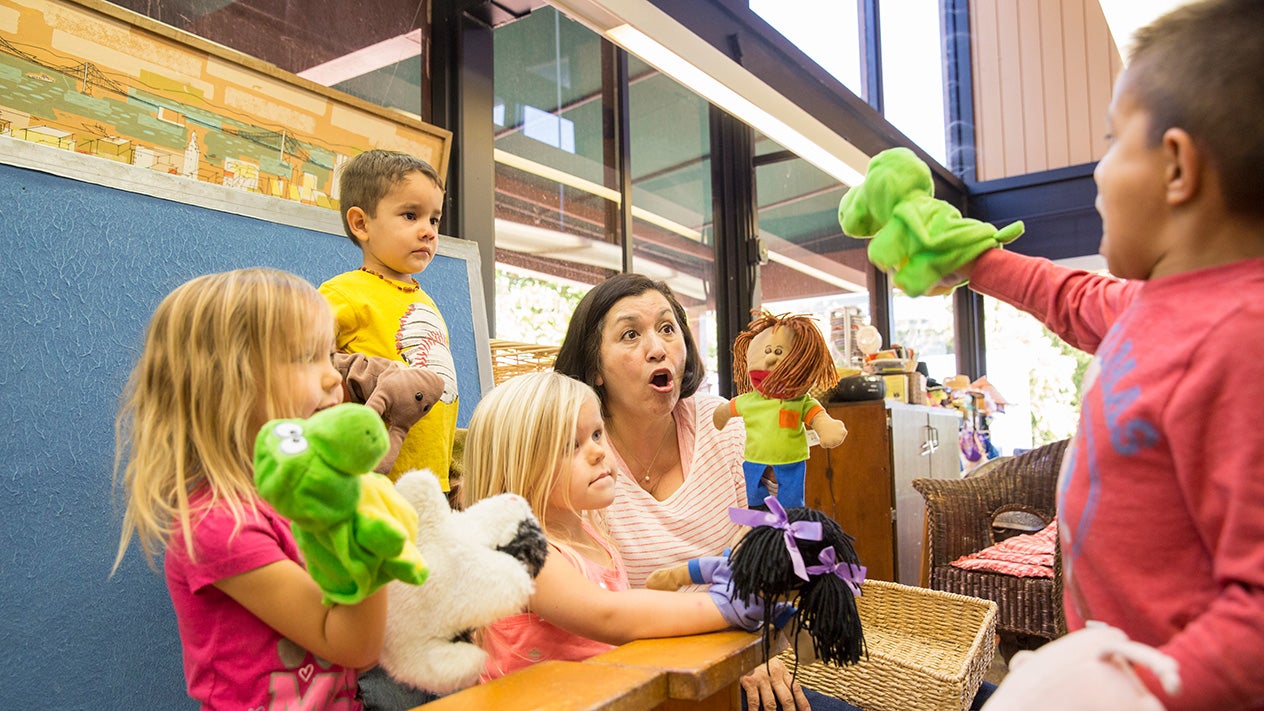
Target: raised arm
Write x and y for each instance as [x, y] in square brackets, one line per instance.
[564, 597]
[1078, 306]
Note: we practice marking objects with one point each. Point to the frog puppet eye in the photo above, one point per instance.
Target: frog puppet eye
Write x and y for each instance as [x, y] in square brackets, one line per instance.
[291, 436]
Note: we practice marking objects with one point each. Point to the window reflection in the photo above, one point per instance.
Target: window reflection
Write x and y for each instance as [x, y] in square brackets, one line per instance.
[557, 194]
[671, 196]
[812, 267]
[375, 57]
[913, 74]
[396, 85]
[548, 74]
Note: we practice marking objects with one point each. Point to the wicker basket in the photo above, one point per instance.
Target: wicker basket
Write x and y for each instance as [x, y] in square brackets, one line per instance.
[928, 651]
[510, 359]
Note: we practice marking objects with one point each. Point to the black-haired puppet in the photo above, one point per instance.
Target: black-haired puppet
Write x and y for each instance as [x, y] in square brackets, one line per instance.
[796, 555]
[776, 361]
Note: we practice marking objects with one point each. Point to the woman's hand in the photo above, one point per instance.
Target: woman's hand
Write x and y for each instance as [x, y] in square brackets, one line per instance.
[771, 687]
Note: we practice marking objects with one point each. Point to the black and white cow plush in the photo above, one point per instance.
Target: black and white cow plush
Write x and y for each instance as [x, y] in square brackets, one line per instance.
[483, 562]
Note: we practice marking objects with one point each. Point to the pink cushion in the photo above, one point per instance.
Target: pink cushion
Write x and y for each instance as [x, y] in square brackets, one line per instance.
[1027, 556]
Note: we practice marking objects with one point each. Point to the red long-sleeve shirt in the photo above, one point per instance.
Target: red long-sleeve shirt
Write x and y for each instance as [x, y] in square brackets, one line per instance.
[1161, 497]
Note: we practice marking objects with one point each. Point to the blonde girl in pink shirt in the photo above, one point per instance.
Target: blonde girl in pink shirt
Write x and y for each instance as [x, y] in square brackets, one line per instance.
[223, 354]
[541, 436]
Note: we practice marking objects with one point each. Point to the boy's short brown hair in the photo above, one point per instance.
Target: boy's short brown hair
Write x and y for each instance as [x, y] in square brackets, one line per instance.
[367, 178]
[1198, 68]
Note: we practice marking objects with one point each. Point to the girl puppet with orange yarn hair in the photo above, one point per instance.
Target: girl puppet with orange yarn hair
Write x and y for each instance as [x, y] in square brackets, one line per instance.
[776, 361]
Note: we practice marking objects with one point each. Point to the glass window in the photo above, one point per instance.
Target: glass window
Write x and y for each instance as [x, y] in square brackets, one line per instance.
[812, 267]
[534, 308]
[374, 56]
[828, 32]
[913, 74]
[671, 196]
[1037, 373]
[925, 324]
[396, 85]
[556, 191]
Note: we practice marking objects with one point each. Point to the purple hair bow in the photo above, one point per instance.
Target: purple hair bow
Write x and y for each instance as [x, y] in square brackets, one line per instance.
[851, 574]
[776, 517]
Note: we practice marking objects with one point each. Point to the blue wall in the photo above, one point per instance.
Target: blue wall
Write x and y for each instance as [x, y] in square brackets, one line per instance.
[81, 269]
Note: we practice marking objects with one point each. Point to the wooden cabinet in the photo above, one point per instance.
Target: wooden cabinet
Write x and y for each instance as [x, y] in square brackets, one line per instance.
[865, 483]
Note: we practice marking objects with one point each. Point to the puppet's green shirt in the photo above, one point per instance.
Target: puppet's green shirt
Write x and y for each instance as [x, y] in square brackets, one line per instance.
[775, 432]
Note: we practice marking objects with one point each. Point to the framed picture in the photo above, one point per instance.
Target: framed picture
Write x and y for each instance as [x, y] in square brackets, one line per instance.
[93, 78]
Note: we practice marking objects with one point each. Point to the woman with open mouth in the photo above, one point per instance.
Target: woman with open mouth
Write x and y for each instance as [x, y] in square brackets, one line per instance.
[629, 339]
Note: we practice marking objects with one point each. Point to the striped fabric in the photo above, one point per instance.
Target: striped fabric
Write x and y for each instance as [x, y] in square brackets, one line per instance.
[694, 521]
[1027, 556]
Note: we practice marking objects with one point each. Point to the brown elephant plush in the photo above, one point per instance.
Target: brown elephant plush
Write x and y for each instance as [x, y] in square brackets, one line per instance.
[399, 393]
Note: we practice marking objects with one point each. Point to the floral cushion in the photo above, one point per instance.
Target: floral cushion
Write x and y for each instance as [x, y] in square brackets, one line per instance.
[1026, 556]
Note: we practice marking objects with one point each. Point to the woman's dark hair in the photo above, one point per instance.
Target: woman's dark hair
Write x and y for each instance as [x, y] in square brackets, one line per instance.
[580, 354]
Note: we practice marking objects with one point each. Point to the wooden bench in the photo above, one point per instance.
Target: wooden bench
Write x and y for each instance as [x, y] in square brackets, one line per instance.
[562, 686]
[698, 672]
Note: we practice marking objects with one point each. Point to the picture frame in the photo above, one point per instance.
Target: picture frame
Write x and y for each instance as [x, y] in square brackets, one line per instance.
[91, 77]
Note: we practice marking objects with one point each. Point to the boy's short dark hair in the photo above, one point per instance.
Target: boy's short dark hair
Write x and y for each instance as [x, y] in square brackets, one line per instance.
[367, 178]
[1198, 68]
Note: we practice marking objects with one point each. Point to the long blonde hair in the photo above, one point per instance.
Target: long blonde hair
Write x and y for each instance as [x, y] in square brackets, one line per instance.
[206, 380]
[519, 435]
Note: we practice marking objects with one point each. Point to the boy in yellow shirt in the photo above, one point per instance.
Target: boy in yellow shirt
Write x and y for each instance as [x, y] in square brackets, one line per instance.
[391, 204]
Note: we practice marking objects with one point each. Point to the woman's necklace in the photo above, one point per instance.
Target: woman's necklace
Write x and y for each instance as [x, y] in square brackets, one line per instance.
[406, 289]
[644, 479]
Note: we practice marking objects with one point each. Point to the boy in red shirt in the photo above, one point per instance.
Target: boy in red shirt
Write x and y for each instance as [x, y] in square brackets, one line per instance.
[1161, 499]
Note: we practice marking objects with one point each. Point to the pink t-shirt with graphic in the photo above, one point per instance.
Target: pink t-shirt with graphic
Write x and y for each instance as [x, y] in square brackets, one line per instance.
[232, 659]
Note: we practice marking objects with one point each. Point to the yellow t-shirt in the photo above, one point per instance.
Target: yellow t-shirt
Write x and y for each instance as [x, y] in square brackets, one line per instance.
[375, 317]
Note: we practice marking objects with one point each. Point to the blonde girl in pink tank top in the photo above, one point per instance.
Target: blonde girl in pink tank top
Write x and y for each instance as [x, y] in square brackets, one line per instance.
[541, 436]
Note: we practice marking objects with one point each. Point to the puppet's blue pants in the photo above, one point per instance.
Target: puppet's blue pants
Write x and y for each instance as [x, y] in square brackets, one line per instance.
[789, 483]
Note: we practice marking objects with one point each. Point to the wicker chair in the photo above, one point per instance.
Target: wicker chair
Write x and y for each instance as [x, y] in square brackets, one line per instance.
[960, 516]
